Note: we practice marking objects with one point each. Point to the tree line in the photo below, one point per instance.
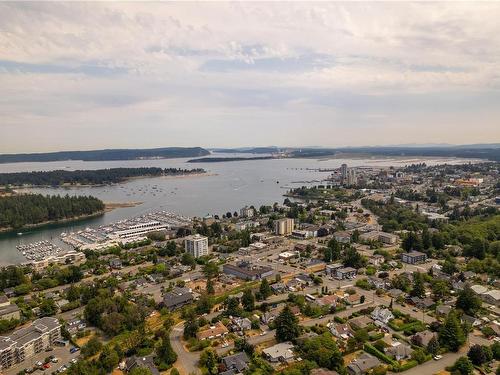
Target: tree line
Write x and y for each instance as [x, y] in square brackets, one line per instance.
[88, 177]
[20, 210]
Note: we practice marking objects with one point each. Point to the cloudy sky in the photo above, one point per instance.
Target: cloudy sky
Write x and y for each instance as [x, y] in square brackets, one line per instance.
[105, 75]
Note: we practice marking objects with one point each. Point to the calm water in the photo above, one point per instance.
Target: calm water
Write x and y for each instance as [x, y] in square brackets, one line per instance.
[229, 187]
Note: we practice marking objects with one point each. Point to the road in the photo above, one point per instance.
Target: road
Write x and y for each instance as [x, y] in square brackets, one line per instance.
[186, 361]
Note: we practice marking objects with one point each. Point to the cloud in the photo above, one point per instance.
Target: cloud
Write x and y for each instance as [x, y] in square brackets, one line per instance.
[240, 73]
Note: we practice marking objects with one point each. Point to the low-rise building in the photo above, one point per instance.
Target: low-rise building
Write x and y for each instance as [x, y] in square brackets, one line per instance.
[382, 315]
[216, 331]
[281, 352]
[247, 271]
[177, 298]
[413, 257]
[345, 273]
[7, 310]
[399, 351]
[238, 362]
[361, 365]
[146, 362]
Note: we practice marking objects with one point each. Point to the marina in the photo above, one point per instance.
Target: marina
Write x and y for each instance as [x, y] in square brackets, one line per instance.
[40, 250]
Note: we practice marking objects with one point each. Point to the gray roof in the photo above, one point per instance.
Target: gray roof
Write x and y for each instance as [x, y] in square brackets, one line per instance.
[238, 361]
[363, 363]
[171, 299]
[144, 362]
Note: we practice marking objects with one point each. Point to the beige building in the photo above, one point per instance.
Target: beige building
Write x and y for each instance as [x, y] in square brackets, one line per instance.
[284, 227]
[28, 341]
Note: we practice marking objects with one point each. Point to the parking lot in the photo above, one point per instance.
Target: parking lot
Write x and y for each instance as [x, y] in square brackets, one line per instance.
[61, 353]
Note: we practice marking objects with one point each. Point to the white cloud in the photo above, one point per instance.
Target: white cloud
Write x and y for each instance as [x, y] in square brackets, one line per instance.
[214, 70]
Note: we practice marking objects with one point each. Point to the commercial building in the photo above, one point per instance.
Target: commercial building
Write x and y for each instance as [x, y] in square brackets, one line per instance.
[247, 271]
[28, 341]
[345, 273]
[196, 245]
[139, 230]
[413, 257]
[284, 227]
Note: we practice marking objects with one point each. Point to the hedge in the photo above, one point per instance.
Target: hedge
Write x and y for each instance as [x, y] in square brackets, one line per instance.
[396, 367]
[408, 365]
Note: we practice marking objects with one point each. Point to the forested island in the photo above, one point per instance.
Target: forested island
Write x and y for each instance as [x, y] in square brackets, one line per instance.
[88, 177]
[112, 154]
[35, 209]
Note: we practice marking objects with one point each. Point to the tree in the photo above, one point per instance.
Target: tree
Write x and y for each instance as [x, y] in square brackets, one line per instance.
[433, 346]
[211, 270]
[48, 307]
[210, 286]
[190, 328]
[418, 355]
[479, 355]
[265, 290]
[233, 306]
[468, 301]
[287, 325]
[174, 371]
[93, 346]
[334, 250]
[210, 360]
[248, 300]
[464, 366]
[418, 289]
[353, 259]
[165, 352]
[451, 334]
[188, 260]
[440, 289]
[242, 345]
[140, 371]
[109, 358]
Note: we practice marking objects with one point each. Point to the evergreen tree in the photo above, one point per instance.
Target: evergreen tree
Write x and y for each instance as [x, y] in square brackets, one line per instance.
[287, 325]
[190, 328]
[433, 346]
[165, 352]
[418, 289]
[248, 300]
[463, 366]
[468, 301]
[210, 360]
[265, 289]
[451, 334]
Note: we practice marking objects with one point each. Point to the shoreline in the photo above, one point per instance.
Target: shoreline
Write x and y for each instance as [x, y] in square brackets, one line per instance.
[19, 189]
[50, 222]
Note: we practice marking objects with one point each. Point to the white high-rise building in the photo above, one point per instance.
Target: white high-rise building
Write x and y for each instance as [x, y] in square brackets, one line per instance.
[196, 245]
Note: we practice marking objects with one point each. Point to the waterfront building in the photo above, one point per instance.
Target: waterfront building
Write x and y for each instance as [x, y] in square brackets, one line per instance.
[196, 245]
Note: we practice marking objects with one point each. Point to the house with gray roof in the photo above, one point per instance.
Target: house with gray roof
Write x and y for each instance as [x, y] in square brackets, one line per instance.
[361, 365]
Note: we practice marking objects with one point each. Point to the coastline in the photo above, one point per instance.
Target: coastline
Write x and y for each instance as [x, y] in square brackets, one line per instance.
[50, 222]
[19, 189]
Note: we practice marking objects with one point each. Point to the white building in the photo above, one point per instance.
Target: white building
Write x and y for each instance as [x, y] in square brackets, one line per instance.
[247, 212]
[196, 245]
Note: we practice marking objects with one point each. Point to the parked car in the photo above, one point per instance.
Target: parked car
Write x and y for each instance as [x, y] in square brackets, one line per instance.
[437, 357]
[74, 350]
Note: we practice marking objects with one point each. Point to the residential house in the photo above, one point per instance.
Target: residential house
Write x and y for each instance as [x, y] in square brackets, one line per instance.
[341, 330]
[331, 269]
[7, 310]
[323, 371]
[376, 260]
[382, 315]
[443, 310]
[360, 322]
[342, 237]
[146, 362]
[492, 297]
[328, 300]
[423, 338]
[352, 299]
[237, 362]
[240, 324]
[361, 365]
[216, 331]
[282, 352]
[177, 298]
[399, 351]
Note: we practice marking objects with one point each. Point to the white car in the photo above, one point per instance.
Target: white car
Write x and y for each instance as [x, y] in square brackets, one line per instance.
[437, 357]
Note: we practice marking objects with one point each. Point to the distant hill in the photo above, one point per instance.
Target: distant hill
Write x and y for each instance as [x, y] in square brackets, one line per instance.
[111, 154]
[248, 150]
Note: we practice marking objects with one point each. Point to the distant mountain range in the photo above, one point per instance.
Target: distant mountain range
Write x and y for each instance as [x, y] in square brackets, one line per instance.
[111, 154]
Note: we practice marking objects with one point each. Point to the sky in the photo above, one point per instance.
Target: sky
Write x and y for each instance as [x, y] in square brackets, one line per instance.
[78, 76]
